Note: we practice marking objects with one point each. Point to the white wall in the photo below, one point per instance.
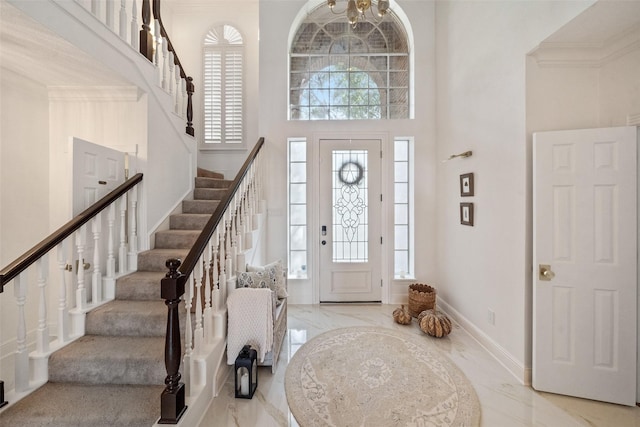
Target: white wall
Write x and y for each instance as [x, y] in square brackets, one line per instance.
[276, 18]
[24, 192]
[188, 27]
[481, 106]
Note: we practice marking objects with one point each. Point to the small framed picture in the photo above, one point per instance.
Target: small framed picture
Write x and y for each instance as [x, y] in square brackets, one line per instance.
[466, 214]
[466, 184]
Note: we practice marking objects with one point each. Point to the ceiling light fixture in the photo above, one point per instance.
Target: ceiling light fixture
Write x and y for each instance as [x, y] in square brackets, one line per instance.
[356, 10]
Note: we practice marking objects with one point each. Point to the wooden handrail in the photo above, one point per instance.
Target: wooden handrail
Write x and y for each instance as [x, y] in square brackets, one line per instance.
[172, 287]
[176, 60]
[38, 251]
[191, 260]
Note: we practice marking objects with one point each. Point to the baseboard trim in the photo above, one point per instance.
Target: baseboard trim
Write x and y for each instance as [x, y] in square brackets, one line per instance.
[511, 364]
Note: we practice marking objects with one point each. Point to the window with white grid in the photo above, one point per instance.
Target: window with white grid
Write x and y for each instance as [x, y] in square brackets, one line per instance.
[223, 86]
[403, 208]
[338, 72]
[297, 194]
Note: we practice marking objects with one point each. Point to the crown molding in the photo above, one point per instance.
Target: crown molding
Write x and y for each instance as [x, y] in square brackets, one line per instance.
[587, 55]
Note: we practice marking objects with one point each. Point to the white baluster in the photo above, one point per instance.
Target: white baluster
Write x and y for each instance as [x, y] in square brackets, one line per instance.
[222, 283]
[63, 314]
[198, 334]
[133, 232]
[22, 354]
[135, 38]
[172, 68]
[165, 64]
[178, 105]
[42, 340]
[81, 292]
[216, 272]
[122, 255]
[183, 110]
[96, 278]
[215, 293]
[111, 259]
[122, 21]
[109, 21]
[208, 273]
[156, 59]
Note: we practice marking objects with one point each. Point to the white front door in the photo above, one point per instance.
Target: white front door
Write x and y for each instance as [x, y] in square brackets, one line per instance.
[350, 220]
[585, 263]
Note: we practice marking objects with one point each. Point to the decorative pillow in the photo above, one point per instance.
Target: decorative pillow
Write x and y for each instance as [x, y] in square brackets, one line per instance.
[275, 274]
[256, 279]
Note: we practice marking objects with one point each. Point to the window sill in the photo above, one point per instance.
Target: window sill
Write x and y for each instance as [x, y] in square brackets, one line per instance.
[219, 149]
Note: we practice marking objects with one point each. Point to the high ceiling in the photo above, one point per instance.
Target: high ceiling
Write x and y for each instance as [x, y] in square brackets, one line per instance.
[30, 49]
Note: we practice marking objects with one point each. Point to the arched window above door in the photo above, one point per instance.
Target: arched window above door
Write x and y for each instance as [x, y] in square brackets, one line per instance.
[338, 72]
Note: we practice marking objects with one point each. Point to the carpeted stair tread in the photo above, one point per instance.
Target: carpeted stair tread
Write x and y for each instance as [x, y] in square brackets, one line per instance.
[140, 285]
[203, 182]
[178, 239]
[94, 359]
[155, 259]
[188, 221]
[209, 193]
[199, 206]
[209, 174]
[128, 318]
[81, 405]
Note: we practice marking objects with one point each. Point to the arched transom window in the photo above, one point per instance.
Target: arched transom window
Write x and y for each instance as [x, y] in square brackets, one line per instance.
[338, 72]
[223, 86]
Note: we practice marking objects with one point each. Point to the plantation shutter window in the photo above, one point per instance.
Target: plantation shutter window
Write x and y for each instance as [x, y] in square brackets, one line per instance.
[223, 86]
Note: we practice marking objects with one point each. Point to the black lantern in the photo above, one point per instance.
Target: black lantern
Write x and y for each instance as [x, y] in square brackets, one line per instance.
[246, 372]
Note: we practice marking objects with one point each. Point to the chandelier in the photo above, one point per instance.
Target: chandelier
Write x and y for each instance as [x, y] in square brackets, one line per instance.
[356, 10]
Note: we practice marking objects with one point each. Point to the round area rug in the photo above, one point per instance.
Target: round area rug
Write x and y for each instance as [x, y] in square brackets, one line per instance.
[368, 376]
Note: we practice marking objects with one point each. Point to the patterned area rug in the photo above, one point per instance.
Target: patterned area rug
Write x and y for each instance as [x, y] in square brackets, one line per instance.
[367, 376]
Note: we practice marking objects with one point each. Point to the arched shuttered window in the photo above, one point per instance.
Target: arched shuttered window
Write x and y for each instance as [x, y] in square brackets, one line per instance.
[223, 86]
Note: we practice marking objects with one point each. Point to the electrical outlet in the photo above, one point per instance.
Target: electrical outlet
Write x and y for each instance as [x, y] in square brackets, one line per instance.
[491, 317]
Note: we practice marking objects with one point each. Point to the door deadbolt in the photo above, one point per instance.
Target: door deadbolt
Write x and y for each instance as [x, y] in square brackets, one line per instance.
[545, 273]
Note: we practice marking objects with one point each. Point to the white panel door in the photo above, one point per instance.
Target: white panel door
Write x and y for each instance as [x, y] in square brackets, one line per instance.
[350, 221]
[585, 263]
[97, 170]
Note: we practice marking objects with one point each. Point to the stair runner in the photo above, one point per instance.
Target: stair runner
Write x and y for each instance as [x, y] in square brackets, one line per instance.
[114, 375]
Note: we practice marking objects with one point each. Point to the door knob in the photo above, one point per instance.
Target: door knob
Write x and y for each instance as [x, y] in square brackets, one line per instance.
[545, 273]
[324, 242]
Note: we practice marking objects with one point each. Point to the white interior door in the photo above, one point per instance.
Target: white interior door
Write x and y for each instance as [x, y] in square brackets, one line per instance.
[350, 221]
[97, 170]
[585, 263]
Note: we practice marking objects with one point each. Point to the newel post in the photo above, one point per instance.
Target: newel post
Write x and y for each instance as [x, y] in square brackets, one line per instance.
[146, 38]
[190, 90]
[172, 400]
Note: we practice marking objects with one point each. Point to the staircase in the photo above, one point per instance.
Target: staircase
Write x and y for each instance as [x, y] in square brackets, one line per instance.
[114, 374]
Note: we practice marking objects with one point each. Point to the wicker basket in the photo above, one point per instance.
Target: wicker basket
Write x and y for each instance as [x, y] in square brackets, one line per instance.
[421, 297]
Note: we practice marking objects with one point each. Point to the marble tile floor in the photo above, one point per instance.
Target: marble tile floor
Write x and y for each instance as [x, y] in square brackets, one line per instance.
[505, 402]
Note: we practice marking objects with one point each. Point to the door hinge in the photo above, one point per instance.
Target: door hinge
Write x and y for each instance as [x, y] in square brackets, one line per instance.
[380, 197]
[380, 153]
[380, 239]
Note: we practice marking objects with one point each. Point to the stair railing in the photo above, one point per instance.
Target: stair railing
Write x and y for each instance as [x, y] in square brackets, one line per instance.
[204, 275]
[121, 221]
[148, 36]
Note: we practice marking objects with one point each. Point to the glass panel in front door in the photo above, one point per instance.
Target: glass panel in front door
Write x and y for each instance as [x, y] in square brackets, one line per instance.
[350, 201]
